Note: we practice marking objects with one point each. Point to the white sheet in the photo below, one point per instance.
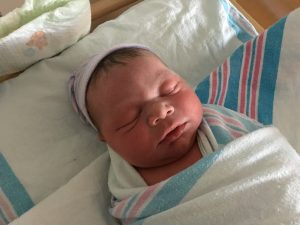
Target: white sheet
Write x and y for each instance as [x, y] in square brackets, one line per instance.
[42, 140]
[83, 200]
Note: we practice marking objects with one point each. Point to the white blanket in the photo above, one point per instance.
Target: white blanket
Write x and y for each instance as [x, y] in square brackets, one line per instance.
[253, 180]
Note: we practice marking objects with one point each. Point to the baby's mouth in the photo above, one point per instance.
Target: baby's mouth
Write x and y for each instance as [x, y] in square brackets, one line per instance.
[173, 134]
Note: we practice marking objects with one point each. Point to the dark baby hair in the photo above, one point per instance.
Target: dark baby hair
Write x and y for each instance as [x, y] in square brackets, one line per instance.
[118, 57]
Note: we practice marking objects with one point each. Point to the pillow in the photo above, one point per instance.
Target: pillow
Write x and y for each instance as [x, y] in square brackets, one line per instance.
[40, 29]
[190, 43]
[44, 144]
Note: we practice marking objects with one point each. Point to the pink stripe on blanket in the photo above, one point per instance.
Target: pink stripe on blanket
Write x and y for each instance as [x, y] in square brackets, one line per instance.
[214, 87]
[229, 120]
[6, 208]
[243, 82]
[141, 202]
[2, 222]
[217, 122]
[119, 208]
[255, 83]
[242, 22]
[224, 86]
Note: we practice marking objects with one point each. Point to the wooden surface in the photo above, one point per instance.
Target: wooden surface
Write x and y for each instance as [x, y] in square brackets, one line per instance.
[8, 5]
[103, 10]
[108, 11]
[264, 13]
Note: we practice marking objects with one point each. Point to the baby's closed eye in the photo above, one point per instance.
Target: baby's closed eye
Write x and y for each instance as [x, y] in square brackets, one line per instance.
[169, 89]
[129, 123]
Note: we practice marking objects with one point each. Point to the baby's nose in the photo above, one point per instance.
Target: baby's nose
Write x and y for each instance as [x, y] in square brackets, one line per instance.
[158, 111]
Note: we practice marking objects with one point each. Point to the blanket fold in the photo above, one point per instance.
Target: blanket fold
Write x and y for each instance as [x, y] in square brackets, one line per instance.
[253, 180]
[40, 29]
[261, 79]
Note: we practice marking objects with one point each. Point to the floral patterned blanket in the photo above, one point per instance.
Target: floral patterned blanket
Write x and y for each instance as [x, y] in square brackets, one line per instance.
[40, 29]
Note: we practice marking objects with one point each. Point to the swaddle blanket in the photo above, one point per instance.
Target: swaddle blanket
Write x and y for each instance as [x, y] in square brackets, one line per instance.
[261, 79]
[219, 126]
[254, 179]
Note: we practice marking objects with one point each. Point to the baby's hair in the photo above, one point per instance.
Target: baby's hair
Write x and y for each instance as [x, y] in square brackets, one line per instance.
[118, 57]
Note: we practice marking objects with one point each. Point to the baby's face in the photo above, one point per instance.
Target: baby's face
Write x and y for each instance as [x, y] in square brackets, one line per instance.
[148, 114]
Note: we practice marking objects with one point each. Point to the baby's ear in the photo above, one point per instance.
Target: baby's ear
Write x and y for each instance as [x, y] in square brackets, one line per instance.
[101, 137]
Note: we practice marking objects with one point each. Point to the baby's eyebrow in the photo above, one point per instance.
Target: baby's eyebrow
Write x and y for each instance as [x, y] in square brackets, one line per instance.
[125, 104]
[123, 109]
[161, 72]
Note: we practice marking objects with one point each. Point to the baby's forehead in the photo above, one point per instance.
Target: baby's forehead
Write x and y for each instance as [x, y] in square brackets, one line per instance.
[146, 67]
[133, 73]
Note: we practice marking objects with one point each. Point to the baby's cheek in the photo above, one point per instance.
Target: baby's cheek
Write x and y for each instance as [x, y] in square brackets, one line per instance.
[141, 132]
[193, 108]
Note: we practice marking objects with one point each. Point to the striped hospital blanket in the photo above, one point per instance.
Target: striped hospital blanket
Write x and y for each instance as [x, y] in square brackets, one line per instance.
[261, 79]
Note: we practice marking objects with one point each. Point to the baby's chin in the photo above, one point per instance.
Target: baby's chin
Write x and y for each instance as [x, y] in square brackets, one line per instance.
[166, 160]
[169, 166]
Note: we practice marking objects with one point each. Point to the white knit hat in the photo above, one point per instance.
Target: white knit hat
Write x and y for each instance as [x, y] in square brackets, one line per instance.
[79, 79]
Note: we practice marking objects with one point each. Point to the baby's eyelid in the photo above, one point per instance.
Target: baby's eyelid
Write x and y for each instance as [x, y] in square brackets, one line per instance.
[130, 122]
[174, 89]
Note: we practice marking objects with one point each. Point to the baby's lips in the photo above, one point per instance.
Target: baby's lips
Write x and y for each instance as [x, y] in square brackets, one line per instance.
[173, 133]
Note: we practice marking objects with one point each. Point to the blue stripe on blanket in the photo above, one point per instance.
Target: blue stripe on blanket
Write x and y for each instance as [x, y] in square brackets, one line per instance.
[250, 76]
[253, 69]
[14, 198]
[184, 182]
[130, 203]
[242, 28]
[269, 73]
[233, 84]
[219, 72]
[202, 90]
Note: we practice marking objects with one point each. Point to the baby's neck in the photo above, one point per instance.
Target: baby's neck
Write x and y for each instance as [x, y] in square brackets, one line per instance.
[157, 174]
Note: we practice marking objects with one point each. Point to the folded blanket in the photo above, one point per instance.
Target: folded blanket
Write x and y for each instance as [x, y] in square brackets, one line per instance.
[261, 79]
[40, 29]
[254, 179]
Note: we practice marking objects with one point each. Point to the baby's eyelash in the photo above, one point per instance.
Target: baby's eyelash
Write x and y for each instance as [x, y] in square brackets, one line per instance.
[126, 124]
[131, 122]
[174, 88]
